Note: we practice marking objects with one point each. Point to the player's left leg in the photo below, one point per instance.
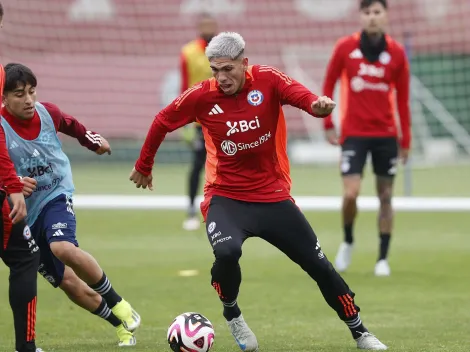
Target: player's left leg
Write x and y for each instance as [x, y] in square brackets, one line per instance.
[21, 254]
[384, 161]
[59, 226]
[229, 223]
[192, 222]
[284, 226]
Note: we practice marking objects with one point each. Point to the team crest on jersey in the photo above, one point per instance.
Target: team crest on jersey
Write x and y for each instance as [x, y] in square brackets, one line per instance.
[255, 97]
[27, 233]
[384, 58]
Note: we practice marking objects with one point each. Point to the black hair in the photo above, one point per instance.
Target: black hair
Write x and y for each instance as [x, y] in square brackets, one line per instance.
[1, 10]
[16, 74]
[366, 3]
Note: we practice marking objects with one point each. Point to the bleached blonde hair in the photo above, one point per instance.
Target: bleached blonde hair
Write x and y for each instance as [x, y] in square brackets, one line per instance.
[226, 44]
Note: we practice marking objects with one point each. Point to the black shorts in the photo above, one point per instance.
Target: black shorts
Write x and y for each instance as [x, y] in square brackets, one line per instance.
[230, 222]
[383, 150]
[16, 241]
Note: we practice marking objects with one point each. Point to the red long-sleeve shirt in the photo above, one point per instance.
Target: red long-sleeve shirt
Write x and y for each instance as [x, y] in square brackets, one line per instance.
[245, 134]
[30, 129]
[9, 181]
[367, 102]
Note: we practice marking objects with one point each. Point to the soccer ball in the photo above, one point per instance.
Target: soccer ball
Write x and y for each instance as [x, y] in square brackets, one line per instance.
[191, 332]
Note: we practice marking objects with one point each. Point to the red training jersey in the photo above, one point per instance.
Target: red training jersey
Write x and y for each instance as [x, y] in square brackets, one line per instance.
[9, 181]
[367, 103]
[245, 134]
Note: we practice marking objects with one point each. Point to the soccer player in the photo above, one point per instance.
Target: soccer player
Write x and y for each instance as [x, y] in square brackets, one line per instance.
[31, 131]
[247, 193]
[17, 249]
[20, 253]
[194, 68]
[372, 67]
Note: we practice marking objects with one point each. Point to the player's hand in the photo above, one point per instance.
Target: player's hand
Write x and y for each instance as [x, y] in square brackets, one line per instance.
[29, 185]
[331, 136]
[141, 180]
[18, 212]
[323, 106]
[105, 147]
[404, 154]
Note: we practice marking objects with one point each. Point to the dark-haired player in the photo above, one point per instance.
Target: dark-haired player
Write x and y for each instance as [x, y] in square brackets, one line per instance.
[31, 131]
[373, 68]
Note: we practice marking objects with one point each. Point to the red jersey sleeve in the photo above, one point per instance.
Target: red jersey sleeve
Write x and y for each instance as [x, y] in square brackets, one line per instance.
[333, 73]
[70, 126]
[9, 181]
[180, 112]
[402, 86]
[290, 91]
[184, 73]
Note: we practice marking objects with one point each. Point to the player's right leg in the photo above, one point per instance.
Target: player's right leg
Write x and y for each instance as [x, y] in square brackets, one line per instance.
[55, 230]
[83, 296]
[384, 161]
[228, 226]
[284, 226]
[192, 222]
[64, 246]
[353, 159]
[21, 254]
[58, 275]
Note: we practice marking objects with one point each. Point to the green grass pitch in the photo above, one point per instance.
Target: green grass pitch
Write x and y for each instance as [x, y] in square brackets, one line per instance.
[424, 306]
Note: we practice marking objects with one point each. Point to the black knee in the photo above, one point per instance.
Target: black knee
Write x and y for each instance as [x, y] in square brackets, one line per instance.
[227, 253]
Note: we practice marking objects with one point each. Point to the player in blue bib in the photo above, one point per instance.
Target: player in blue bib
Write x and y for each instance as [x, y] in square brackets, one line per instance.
[31, 134]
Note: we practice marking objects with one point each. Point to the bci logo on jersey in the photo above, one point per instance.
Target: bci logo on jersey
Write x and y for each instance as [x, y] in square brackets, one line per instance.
[242, 126]
[255, 97]
[36, 166]
[371, 70]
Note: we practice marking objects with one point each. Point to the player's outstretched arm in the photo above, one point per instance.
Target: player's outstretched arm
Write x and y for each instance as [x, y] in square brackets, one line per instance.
[333, 72]
[295, 94]
[182, 111]
[69, 125]
[403, 102]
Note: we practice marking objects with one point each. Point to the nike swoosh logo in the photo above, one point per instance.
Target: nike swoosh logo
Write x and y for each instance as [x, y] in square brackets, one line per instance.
[242, 345]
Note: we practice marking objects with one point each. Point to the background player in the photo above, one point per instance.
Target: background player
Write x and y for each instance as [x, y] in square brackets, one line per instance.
[17, 249]
[247, 193]
[31, 132]
[372, 65]
[194, 68]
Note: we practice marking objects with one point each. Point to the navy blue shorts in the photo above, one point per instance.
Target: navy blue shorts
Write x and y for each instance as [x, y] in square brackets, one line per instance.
[56, 222]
